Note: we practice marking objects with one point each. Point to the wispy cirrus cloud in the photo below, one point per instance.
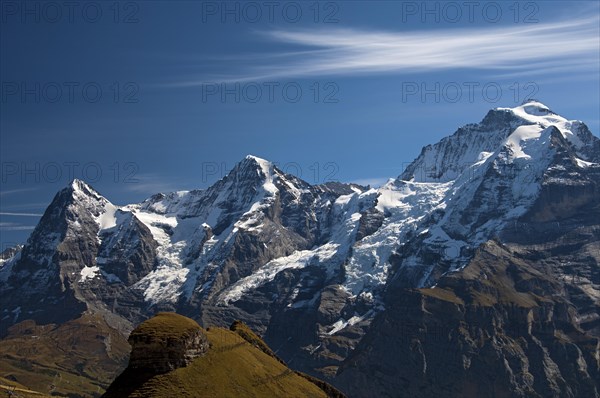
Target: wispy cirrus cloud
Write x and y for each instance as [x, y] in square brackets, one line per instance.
[10, 226]
[5, 213]
[558, 46]
[14, 191]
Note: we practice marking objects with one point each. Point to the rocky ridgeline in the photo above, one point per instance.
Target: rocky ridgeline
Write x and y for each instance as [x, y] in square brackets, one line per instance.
[328, 273]
[166, 342]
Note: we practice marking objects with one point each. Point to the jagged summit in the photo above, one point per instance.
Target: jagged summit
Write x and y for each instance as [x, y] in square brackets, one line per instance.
[254, 169]
[254, 162]
[77, 184]
[80, 188]
[257, 159]
[71, 208]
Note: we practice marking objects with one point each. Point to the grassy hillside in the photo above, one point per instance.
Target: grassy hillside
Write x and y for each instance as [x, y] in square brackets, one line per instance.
[234, 366]
[79, 358]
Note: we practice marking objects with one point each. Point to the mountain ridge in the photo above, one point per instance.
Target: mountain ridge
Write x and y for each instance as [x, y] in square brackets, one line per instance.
[310, 267]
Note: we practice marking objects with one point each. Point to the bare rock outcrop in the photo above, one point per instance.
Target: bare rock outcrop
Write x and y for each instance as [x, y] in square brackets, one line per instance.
[166, 342]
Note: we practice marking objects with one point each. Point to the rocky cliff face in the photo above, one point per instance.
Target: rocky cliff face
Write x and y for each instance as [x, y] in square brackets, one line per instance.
[500, 327]
[319, 270]
[166, 342]
[69, 260]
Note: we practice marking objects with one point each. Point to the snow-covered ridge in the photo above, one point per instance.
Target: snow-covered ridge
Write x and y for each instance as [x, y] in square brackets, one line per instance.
[507, 136]
[183, 221]
[457, 194]
[503, 179]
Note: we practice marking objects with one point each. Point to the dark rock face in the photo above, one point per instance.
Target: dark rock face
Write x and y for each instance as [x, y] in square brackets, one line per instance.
[480, 332]
[130, 253]
[164, 356]
[44, 274]
[166, 342]
[59, 265]
[370, 221]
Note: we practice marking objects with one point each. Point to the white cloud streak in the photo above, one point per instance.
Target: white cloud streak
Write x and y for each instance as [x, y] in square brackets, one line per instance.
[3, 213]
[568, 45]
[13, 191]
[19, 228]
[10, 226]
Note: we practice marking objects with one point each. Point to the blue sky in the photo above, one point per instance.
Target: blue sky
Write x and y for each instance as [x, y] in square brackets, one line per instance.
[149, 96]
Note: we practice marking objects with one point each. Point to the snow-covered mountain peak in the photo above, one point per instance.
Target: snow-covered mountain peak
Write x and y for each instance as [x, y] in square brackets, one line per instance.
[534, 112]
[252, 176]
[77, 201]
[79, 196]
[254, 163]
[78, 184]
[260, 161]
[536, 116]
[500, 129]
[79, 188]
[534, 107]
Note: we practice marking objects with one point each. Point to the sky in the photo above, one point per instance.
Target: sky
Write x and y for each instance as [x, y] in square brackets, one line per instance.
[140, 97]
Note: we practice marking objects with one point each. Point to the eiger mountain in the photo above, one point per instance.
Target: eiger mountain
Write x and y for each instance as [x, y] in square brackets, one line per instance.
[475, 273]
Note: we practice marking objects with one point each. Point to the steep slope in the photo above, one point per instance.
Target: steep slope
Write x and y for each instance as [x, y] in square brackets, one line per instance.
[64, 263]
[205, 363]
[208, 240]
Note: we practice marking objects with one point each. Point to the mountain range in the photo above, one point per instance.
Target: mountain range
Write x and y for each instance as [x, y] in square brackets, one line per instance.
[475, 272]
